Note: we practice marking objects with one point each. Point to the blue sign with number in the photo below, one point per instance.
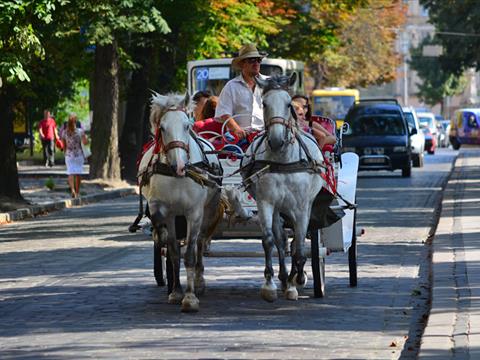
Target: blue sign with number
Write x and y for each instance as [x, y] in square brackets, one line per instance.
[202, 74]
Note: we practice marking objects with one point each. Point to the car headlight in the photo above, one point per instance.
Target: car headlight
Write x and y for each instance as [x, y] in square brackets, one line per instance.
[348, 149]
[399, 149]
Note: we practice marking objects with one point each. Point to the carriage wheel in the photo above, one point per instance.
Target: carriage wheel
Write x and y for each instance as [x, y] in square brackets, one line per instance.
[159, 265]
[318, 265]
[352, 253]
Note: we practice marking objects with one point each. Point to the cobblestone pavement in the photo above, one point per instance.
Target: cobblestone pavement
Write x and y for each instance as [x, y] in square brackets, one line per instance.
[76, 284]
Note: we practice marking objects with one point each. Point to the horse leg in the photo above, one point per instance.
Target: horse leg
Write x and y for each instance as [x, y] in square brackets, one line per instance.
[211, 217]
[190, 302]
[299, 257]
[173, 248]
[281, 239]
[265, 215]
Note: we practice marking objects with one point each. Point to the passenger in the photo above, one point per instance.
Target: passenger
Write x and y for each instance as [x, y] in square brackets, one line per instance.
[302, 108]
[200, 98]
[208, 115]
[241, 98]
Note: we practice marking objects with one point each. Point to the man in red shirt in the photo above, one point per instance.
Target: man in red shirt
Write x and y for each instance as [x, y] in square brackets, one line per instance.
[48, 133]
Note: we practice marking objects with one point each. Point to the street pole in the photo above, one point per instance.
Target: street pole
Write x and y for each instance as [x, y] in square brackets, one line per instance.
[405, 80]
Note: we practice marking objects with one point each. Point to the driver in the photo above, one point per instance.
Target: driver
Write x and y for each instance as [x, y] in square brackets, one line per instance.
[241, 98]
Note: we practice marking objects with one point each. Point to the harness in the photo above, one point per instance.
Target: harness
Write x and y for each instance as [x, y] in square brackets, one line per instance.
[203, 172]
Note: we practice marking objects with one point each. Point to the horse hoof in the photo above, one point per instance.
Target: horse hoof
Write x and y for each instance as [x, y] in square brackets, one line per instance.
[190, 304]
[291, 294]
[175, 298]
[297, 283]
[268, 292]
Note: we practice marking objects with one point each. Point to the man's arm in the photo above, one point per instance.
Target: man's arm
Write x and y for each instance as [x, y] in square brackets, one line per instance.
[225, 110]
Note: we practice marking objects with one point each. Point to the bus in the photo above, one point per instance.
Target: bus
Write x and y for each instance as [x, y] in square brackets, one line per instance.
[213, 74]
[334, 102]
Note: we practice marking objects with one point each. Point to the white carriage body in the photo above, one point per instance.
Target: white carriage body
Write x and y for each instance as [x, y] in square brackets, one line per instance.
[336, 238]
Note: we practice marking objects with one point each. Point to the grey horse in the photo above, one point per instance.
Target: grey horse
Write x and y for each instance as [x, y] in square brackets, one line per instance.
[288, 189]
[170, 193]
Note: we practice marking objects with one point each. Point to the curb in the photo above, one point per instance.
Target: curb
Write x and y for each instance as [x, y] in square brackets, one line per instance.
[422, 305]
[34, 210]
[437, 339]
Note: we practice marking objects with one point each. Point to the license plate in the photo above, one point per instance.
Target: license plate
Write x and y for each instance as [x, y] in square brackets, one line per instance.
[374, 161]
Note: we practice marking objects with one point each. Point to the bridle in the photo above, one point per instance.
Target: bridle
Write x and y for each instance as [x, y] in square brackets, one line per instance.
[175, 144]
[287, 122]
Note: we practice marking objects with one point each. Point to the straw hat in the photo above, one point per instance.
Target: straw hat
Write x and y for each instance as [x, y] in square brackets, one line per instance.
[246, 52]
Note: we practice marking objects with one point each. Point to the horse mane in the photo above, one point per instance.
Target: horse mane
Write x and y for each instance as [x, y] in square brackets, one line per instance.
[159, 105]
[277, 82]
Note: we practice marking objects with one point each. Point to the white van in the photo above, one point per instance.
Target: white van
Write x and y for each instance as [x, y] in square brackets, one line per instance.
[213, 74]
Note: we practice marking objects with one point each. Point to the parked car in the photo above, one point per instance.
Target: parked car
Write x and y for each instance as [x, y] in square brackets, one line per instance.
[446, 131]
[427, 120]
[417, 140]
[465, 127]
[378, 133]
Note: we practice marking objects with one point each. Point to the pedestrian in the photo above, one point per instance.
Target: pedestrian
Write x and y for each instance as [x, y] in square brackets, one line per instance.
[73, 137]
[240, 101]
[48, 135]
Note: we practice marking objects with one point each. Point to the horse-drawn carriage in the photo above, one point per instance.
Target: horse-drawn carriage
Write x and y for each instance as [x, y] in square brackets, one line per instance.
[327, 217]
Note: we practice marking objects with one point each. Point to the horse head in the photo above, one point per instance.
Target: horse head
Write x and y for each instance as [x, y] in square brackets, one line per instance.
[277, 109]
[171, 125]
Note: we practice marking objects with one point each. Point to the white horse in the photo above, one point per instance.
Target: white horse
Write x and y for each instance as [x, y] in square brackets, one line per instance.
[171, 190]
[287, 190]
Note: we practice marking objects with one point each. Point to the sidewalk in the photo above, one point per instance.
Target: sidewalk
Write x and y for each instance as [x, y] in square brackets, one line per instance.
[453, 328]
[35, 179]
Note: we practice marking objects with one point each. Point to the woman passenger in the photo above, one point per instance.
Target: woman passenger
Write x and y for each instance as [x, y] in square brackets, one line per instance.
[301, 106]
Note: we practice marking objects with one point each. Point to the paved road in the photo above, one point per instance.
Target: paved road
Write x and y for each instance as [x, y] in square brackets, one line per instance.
[75, 284]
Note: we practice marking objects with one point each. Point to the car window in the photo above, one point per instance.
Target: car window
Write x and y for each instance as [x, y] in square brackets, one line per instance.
[425, 121]
[410, 120]
[378, 124]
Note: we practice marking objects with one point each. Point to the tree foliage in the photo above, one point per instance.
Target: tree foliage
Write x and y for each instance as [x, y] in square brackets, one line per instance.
[436, 81]
[456, 23]
[365, 53]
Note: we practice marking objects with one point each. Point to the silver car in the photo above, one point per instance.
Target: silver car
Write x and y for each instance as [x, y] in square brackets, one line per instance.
[417, 140]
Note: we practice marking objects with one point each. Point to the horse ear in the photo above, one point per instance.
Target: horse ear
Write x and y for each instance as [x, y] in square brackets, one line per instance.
[292, 79]
[261, 82]
[186, 100]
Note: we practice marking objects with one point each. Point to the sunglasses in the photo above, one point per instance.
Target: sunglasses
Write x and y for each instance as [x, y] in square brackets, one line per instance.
[253, 60]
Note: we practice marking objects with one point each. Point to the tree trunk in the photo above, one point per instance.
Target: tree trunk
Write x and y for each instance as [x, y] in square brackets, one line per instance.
[9, 186]
[132, 135]
[105, 161]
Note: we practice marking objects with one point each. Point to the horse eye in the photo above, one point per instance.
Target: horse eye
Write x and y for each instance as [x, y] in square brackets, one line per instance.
[162, 128]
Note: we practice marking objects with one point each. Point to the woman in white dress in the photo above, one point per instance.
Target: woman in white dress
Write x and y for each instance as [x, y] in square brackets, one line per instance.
[74, 157]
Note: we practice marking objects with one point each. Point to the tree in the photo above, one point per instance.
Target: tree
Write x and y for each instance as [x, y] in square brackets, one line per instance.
[109, 26]
[365, 54]
[21, 45]
[314, 28]
[456, 23]
[437, 83]
[199, 29]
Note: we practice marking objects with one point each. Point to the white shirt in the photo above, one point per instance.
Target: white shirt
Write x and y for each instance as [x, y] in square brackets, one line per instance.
[238, 100]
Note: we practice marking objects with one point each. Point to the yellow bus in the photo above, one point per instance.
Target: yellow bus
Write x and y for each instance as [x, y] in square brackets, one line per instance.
[334, 102]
